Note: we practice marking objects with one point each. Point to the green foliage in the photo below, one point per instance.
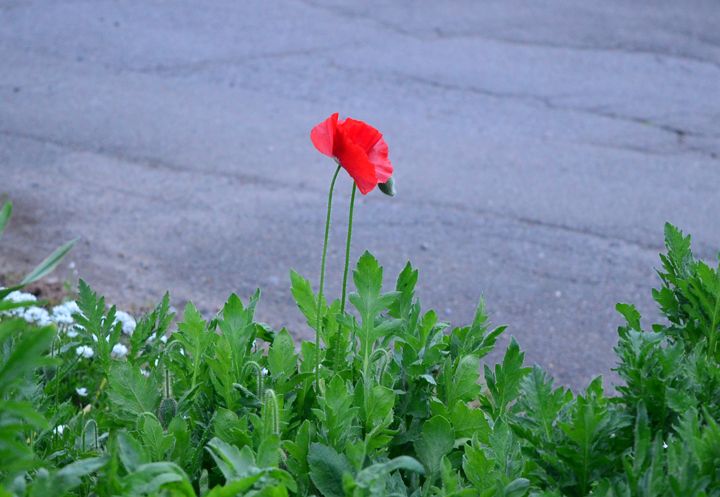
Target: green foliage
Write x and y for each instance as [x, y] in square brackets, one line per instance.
[5, 214]
[49, 264]
[406, 405]
[130, 393]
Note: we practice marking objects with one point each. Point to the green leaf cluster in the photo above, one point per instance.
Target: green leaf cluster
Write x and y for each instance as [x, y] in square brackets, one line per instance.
[405, 405]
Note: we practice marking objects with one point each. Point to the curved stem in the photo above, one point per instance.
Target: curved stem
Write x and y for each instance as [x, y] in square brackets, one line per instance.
[347, 249]
[322, 281]
[345, 270]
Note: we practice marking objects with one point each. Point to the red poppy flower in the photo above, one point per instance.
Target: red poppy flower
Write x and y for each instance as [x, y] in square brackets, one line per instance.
[358, 147]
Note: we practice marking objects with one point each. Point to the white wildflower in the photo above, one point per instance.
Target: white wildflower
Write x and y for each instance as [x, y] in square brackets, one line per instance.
[84, 351]
[665, 446]
[58, 430]
[37, 315]
[145, 373]
[63, 313]
[72, 332]
[82, 391]
[264, 371]
[164, 339]
[128, 322]
[119, 351]
[18, 296]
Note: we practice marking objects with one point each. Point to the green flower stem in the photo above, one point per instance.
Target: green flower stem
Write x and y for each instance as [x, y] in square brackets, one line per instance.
[322, 281]
[347, 249]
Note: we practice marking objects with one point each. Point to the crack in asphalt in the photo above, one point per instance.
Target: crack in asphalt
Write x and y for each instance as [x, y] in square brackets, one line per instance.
[439, 34]
[548, 102]
[528, 221]
[630, 148]
[622, 49]
[202, 65]
[350, 14]
[545, 101]
[149, 162]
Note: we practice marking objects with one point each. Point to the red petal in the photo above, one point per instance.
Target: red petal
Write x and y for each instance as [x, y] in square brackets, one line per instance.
[360, 133]
[372, 142]
[355, 161]
[323, 135]
[378, 155]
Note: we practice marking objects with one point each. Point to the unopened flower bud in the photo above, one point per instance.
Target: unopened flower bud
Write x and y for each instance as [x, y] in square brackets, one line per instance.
[388, 188]
[167, 411]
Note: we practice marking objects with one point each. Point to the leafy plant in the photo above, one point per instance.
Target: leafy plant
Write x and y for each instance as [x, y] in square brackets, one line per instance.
[388, 401]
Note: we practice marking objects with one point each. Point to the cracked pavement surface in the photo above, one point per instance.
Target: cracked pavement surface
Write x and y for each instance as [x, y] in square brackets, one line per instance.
[539, 148]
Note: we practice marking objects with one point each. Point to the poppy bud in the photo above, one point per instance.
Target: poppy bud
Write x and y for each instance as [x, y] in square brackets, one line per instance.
[388, 188]
[167, 411]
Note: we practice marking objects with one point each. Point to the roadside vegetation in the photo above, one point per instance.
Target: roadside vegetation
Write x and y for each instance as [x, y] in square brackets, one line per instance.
[386, 401]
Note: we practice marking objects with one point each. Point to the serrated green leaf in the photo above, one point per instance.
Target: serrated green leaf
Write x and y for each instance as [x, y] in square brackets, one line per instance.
[131, 452]
[369, 301]
[462, 381]
[468, 422]
[678, 246]
[540, 404]
[234, 463]
[131, 393]
[305, 298]
[154, 439]
[282, 360]
[631, 315]
[437, 441]
[405, 286]
[504, 383]
[379, 408]
[327, 468]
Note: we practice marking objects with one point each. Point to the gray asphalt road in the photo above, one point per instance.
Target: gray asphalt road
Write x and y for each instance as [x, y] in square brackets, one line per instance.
[539, 147]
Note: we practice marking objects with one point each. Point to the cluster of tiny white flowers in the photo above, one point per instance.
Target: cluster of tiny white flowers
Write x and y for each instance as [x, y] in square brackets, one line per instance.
[37, 315]
[32, 314]
[128, 322]
[85, 351]
[63, 313]
[119, 351]
[62, 316]
[18, 296]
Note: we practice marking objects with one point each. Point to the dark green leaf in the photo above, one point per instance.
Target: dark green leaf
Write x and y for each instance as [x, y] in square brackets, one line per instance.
[327, 468]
